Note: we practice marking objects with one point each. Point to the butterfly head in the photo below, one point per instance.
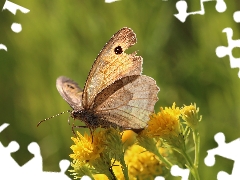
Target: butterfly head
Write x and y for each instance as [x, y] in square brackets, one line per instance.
[76, 114]
[90, 118]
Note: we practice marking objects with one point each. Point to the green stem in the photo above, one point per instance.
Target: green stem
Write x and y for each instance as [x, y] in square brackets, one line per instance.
[193, 169]
[164, 160]
[124, 168]
[196, 139]
[150, 145]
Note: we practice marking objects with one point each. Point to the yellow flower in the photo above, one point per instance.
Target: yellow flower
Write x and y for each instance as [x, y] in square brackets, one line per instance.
[142, 164]
[165, 123]
[93, 155]
[100, 177]
[117, 169]
[86, 150]
[190, 115]
[128, 137]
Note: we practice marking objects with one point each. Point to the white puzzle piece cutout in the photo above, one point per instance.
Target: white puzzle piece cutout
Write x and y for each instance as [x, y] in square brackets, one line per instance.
[177, 171]
[236, 16]
[111, 1]
[182, 7]
[227, 150]
[12, 7]
[33, 169]
[222, 51]
[16, 27]
[159, 178]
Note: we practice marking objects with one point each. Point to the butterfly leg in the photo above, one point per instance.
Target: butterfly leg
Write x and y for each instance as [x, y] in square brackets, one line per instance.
[91, 131]
[74, 126]
[111, 170]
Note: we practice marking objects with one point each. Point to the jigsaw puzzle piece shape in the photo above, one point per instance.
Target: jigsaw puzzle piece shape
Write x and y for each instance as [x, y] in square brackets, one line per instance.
[236, 166]
[10, 165]
[4, 125]
[225, 176]
[33, 169]
[16, 27]
[227, 150]
[221, 6]
[12, 7]
[2, 46]
[159, 178]
[34, 165]
[86, 178]
[5, 155]
[63, 164]
[111, 1]
[236, 16]
[182, 6]
[222, 51]
[210, 158]
[177, 171]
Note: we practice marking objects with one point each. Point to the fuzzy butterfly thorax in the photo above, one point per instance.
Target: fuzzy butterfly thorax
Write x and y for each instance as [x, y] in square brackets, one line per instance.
[116, 94]
[91, 119]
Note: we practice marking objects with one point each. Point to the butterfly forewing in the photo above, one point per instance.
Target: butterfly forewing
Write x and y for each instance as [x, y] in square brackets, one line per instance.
[70, 91]
[112, 64]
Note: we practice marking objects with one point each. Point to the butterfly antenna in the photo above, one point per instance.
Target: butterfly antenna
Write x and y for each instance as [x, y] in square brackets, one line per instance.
[68, 111]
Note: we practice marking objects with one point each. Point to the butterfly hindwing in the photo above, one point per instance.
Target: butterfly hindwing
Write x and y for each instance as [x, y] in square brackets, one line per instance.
[130, 105]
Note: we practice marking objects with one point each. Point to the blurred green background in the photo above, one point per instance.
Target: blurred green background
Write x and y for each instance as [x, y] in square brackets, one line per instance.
[61, 37]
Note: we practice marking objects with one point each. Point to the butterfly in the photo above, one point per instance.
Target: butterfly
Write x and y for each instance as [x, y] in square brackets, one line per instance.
[115, 93]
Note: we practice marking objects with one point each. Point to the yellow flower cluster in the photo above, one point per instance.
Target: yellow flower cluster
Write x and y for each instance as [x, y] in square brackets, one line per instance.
[190, 115]
[142, 164]
[165, 123]
[104, 155]
[87, 149]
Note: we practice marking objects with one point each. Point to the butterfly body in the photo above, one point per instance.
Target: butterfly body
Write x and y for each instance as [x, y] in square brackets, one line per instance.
[91, 119]
[115, 94]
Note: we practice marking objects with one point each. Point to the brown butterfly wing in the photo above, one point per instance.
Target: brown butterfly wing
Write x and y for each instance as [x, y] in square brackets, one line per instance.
[70, 91]
[128, 102]
[112, 64]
